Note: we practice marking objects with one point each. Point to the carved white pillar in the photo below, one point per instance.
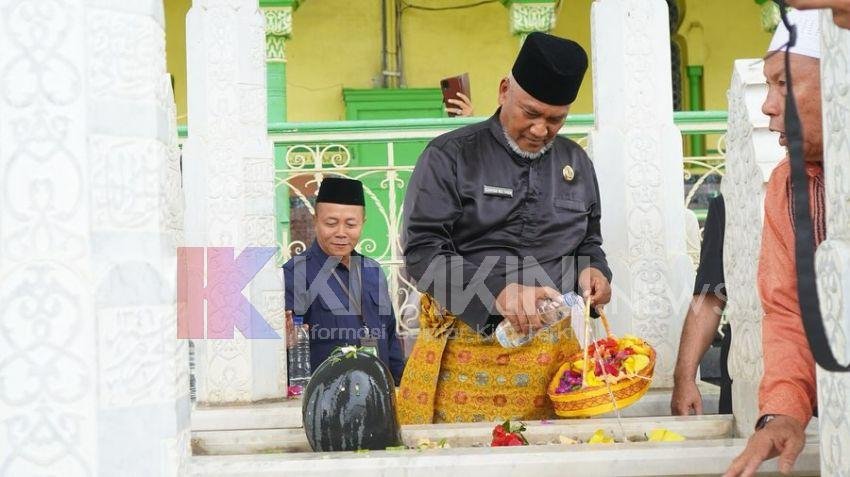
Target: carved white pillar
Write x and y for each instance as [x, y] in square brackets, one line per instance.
[637, 153]
[752, 151]
[833, 255]
[229, 181]
[92, 378]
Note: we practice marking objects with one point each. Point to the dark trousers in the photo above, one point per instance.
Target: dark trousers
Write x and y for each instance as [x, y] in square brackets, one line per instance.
[725, 406]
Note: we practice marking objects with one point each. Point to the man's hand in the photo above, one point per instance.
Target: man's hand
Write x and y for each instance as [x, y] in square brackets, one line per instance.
[464, 105]
[782, 436]
[518, 304]
[686, 398]
[840, 9]
[595, 286]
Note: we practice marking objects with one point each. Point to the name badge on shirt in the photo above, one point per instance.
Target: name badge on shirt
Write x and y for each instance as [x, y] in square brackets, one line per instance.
[498, 191]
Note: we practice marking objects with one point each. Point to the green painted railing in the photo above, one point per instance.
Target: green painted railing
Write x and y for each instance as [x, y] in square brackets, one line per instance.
[689, 122]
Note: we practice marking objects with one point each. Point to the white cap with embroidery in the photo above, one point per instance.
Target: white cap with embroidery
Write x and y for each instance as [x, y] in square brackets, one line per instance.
[808, 33]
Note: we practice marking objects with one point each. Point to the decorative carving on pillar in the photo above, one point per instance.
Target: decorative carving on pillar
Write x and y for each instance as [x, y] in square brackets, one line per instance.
[638, 157]
[229, 181]
[88, 235]
[752, 152]
[527, 17]
[43, 245]
[833, 255]
[278, 29]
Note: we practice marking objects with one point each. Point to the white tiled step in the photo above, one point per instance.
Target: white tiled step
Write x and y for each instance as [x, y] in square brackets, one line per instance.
[697, 457]
[272, 415]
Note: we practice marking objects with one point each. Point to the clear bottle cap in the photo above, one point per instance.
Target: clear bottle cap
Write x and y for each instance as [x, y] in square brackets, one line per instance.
[572, 299]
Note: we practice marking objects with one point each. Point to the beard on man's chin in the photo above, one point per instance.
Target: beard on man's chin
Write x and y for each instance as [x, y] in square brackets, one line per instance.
[527, 154]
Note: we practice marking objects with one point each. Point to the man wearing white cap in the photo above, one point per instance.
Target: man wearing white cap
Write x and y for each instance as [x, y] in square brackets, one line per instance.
[787, 395]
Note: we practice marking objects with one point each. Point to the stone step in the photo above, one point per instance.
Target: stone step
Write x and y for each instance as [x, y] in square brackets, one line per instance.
[263, 441]
[287, 414]
[695, 457]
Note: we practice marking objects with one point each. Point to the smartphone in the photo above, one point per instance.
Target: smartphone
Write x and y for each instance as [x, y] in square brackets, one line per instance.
[453, 85]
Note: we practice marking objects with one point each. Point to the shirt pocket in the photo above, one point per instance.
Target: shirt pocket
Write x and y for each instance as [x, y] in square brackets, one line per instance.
[573, 205]
[571, 219]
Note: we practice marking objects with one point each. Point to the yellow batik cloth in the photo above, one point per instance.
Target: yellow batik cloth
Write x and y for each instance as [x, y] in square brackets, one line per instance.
[456, 375]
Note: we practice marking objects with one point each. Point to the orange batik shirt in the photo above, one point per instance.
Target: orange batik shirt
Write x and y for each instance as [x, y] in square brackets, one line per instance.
[788, 386]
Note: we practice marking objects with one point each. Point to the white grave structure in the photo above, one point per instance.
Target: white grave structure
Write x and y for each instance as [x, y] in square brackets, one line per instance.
[752, 151]
[92, 379]
[833, 255]
[229, 181]
[637, 152]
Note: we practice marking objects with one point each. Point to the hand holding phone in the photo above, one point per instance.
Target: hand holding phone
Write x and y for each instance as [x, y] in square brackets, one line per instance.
[456, 96]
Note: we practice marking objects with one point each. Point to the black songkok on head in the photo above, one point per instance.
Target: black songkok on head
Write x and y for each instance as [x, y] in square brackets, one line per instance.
[341, 190]
[550, 68]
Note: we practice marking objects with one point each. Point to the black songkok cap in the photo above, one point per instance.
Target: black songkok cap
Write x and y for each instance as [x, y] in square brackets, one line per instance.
[341, 190]
[550, 68]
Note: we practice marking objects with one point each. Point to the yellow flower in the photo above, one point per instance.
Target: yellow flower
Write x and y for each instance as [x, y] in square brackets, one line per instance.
[641, 350]
[599, 437]
[663, 435]
[629, 340]
[635, 364]
[635, 343]
[591, 379]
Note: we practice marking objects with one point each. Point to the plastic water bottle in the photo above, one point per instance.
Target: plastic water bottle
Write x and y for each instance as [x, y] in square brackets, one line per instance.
[299, 357]
[550, 312]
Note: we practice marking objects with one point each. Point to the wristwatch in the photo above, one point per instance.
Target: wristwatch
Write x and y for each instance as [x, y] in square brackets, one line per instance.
[764, 420]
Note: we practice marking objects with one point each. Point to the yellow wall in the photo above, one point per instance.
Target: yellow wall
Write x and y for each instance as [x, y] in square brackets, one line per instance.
[573, 22]
[731, 30]
[337, 43]
[476, 40]
[334, 44]
[175, 50]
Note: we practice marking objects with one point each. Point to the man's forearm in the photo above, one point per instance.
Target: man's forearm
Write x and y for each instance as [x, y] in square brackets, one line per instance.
[701, 324]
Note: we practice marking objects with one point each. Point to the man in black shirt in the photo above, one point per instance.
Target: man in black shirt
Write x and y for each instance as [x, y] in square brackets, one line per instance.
[498, 216]
[703, 319]
[510, 197]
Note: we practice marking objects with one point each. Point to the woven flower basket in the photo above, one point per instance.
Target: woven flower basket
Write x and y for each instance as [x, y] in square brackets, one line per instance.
[595, 400]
